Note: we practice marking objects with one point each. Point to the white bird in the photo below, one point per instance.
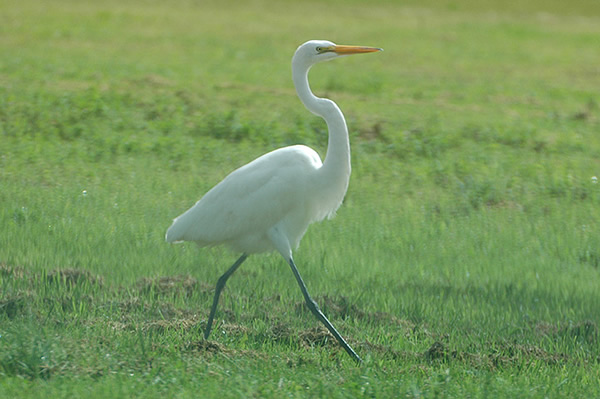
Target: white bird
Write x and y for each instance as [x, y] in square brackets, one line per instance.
[268, 204]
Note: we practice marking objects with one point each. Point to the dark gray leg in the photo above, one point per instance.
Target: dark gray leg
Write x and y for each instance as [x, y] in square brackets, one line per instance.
[218, 289]
[314, 308]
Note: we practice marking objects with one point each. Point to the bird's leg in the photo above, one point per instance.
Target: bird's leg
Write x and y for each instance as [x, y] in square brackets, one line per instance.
[314, 308]
[218, 289]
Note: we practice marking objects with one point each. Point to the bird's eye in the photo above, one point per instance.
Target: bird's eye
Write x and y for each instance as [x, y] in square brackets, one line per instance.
[319, 49]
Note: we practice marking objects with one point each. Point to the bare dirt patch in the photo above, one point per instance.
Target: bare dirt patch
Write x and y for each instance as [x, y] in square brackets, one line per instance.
[71, 277]
[341, 307]
[584, 331]
[15, 272]
[185, 285]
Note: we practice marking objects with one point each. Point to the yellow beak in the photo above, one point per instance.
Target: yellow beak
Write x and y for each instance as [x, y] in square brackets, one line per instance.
[345, 50]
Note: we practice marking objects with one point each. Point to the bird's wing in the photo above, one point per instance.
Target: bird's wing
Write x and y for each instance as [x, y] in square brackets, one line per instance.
[251, 199]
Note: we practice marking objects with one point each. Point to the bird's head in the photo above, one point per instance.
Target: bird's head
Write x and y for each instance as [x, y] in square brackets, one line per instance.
[315, 51]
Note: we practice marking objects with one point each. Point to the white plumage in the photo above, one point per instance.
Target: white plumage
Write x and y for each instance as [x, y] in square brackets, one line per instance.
[271, 192]
[269, 203]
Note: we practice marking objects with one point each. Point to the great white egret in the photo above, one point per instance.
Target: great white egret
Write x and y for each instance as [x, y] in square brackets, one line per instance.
[268, 204]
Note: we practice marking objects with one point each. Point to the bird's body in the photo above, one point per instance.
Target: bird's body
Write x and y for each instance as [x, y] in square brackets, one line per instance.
[269, 203]
[278, 191]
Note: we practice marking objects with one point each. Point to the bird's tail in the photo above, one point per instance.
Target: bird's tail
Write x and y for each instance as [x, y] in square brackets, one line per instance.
[175, 233]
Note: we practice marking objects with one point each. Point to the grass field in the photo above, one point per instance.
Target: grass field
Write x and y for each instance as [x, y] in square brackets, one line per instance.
[465, 261]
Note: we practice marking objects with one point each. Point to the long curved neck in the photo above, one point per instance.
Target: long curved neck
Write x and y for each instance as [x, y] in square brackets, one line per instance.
[337, 159]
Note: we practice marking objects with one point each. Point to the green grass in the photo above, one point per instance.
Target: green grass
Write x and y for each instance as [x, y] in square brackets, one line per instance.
[464, 262]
